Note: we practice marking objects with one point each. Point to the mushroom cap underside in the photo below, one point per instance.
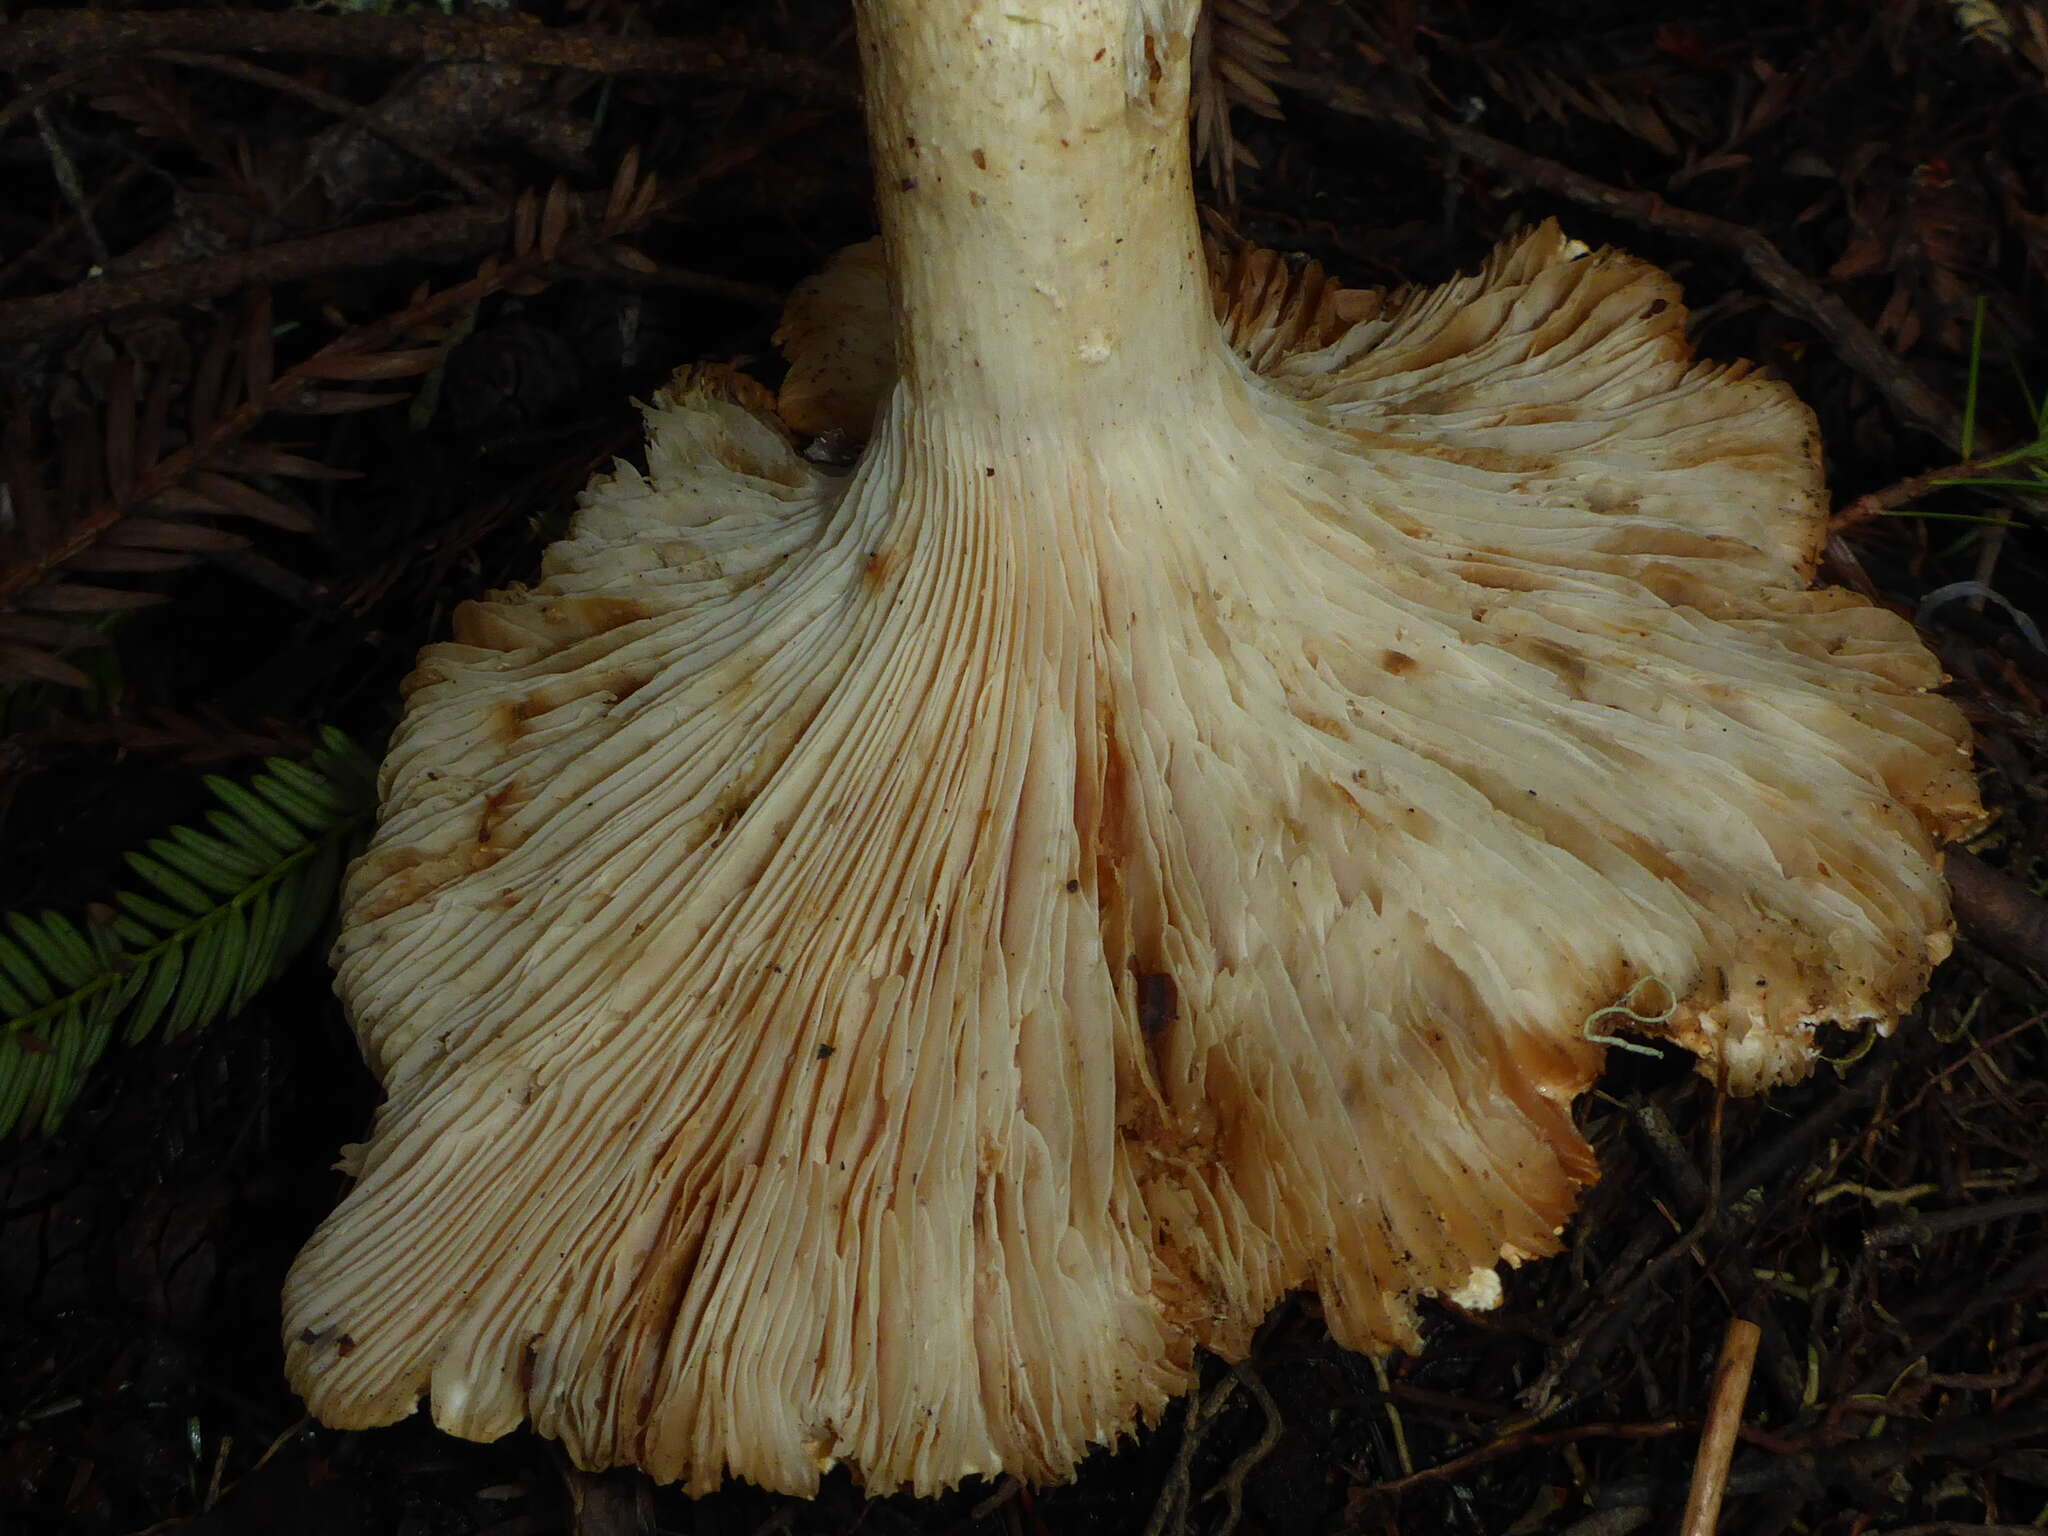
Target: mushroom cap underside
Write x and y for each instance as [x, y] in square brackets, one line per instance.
[881, 967]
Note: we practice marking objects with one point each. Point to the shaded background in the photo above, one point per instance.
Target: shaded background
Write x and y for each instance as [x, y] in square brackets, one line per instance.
[228, 233]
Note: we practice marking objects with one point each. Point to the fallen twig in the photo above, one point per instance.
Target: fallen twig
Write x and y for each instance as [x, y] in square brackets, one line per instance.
[1724, 1424]
[60, 230]
[1007, 1488]
[1846, 1466]
[1170, 1511]
[706, 285]
[1507, 1445]
[1925, 1229]
[2025, 1279]
[1231, 1484]
[1603, 1327]
[1999, 912]
[1893, 1117]
[25, 104]
[367, 118]
[1903, 492]
[540, 229]
[447, 233]
[53, 36]
[1794, 291]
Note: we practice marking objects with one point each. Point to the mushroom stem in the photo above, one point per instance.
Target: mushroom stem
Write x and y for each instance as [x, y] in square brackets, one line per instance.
[1037, 207]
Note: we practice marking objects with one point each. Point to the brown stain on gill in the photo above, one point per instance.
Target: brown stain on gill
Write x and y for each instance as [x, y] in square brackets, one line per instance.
[498, 806]
[1502, 578]
[1571, 670]
[1501, 461]
[507, 622]
[623, 685]
[581, 617]
[489, 625]
[507, 719]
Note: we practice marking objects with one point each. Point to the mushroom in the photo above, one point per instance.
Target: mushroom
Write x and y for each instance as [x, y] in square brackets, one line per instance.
[879, 968]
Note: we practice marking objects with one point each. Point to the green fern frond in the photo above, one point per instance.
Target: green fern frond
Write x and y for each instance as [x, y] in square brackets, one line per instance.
[220, 914]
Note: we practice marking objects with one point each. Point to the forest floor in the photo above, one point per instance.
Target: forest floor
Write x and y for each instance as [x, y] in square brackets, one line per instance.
[307, 384]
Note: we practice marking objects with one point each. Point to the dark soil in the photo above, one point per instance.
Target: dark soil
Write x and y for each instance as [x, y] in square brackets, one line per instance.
[1886, 1224]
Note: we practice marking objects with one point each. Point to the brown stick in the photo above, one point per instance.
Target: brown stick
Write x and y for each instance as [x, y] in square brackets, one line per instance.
[1998, 912]
[1847, 1466]
[1893, 1117]
[56, 36]
[446, 233]
[1794, 291]
[363, 117]
[1912, 488]
[707, 284]
[1508, 1445]
[363, 339]
[1724, 1423]
[1925, 1229]
[61, 230]
[25, 104]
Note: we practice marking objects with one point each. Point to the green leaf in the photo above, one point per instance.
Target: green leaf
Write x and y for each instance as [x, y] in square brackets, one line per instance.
[22, 1070]
[60, 947]
[171, 884]
[25, 973]
[156, 993]
[17, 1079]
[307, 783]
[225, 911]
[265, 929]
[294, 802]
[203, 870]
[154, 913]
[2038, 486]
[81, 1040]
[246, 811]
[126, 931]
[230, 940]
[42, 950]
[219, 854]
[203, 963]
[1951, 517]
[67, 1065]
[2038, 449]
[305, 925]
